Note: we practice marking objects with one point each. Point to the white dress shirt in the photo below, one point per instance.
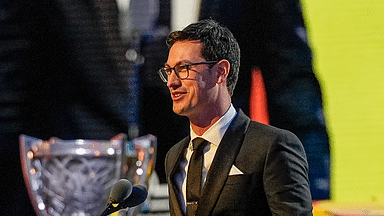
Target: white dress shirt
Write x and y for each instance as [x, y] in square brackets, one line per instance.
[213, 135]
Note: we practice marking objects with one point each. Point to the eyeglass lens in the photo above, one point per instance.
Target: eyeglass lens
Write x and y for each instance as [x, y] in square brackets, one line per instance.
[180, 70]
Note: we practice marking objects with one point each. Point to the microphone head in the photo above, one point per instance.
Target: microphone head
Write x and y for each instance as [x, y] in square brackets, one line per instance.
[139, 195]
[120, 191]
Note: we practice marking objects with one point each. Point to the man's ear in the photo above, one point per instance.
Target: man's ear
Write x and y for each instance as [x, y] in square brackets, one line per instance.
[223, 67]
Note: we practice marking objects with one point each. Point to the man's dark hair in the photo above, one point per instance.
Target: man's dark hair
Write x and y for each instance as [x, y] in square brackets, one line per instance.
[218, 43]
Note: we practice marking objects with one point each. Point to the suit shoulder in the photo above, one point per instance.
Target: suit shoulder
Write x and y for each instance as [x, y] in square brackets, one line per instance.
[259, 129]
[260, 138]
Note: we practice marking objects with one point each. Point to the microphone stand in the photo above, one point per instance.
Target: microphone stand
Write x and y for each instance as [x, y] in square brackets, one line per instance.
[110, 209]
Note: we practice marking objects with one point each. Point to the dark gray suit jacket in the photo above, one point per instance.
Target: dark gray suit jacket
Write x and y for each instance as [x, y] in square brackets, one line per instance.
[275, 180]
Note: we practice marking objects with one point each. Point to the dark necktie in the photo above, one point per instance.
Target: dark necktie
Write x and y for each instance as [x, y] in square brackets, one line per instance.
[194, 175]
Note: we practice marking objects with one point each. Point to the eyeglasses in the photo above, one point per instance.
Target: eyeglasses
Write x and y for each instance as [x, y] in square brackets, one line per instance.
[181, 71]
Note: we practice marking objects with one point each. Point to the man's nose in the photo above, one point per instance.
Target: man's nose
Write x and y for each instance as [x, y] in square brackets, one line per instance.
[173, 80]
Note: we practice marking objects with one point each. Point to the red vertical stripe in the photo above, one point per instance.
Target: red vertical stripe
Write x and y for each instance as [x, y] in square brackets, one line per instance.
[258, 107]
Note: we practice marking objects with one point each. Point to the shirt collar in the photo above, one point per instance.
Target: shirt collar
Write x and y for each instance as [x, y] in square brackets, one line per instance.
[216, 132]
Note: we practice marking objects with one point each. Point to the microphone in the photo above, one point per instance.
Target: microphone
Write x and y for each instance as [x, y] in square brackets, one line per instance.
[123, 195]
[121, 190]
[138, 196]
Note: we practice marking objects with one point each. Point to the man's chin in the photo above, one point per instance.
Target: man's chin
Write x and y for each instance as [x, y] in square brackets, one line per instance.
[179, 111]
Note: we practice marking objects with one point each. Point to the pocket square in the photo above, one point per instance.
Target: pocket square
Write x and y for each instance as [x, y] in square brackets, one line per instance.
[235, 171]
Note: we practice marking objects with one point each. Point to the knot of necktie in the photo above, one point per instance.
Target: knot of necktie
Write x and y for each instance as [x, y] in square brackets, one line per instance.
[199, 144]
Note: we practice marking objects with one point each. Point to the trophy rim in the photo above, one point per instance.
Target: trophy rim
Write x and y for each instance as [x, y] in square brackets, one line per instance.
[25, 169]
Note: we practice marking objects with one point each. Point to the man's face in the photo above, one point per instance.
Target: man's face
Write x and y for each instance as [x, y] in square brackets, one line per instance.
[198, 92]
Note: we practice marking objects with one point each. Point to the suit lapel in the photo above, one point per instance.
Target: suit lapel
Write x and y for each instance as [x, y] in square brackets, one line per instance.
[222, 163]
[176, 155]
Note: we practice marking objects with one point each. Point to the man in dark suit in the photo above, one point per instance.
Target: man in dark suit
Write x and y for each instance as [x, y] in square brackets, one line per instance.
[272, 37]
[243, 167]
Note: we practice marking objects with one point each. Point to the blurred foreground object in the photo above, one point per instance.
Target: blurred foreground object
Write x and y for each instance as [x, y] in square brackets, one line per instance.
[124, 196]
[70, 177]
[74, 177]
[329, 208]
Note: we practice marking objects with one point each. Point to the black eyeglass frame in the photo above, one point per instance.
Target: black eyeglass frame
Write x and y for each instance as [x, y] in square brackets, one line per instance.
[164, 72]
